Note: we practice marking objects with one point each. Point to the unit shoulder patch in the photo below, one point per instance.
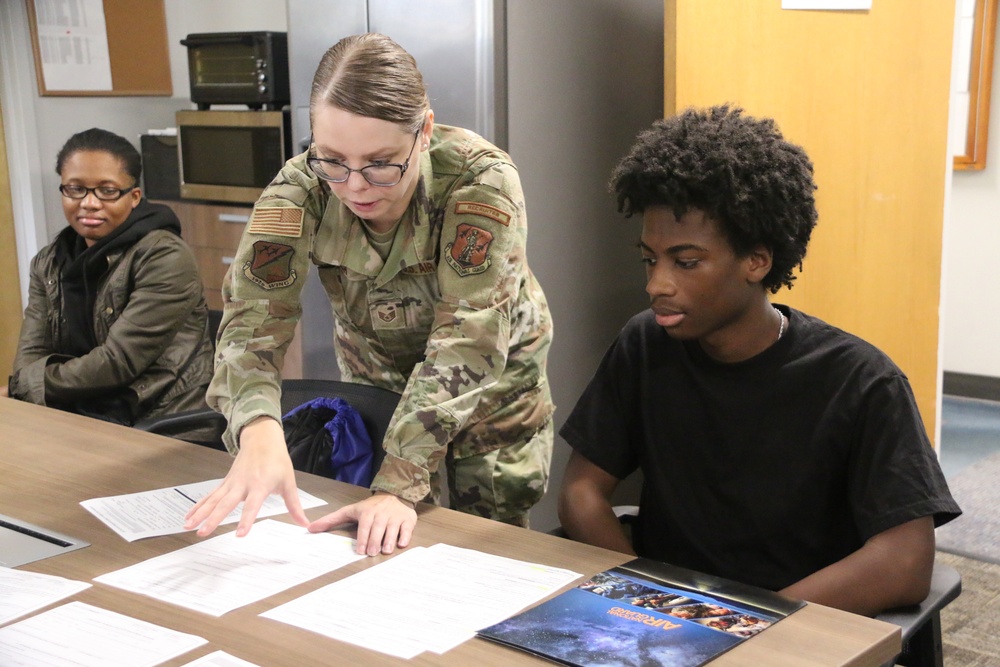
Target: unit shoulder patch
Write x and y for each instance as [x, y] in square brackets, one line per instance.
[271, 266]
[469, 253]
[276, 221]
[483, 210]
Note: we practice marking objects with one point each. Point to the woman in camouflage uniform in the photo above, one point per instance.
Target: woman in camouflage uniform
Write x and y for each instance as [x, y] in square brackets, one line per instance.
[418, 232]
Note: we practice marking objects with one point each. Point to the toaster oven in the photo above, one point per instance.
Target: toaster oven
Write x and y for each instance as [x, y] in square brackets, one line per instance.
[248, 68]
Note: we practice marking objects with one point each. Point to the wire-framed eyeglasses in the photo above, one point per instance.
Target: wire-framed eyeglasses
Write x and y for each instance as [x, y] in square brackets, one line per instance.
[102, 192]
[383, 175]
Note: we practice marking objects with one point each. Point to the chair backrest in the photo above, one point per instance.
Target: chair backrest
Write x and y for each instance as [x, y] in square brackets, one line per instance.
[921, 624]
[374, 404]
[214, 322]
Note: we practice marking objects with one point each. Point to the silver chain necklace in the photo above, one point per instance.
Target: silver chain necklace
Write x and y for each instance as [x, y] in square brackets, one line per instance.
[781, 322]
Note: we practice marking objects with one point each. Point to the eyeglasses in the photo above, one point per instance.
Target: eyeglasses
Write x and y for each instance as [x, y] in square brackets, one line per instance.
[102, 192]
[383, 175]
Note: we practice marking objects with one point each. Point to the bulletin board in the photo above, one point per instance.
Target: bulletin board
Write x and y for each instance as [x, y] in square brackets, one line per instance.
[136, 47]
[977, 28]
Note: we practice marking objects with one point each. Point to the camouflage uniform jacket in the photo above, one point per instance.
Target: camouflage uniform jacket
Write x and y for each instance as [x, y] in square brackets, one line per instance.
[453, 319]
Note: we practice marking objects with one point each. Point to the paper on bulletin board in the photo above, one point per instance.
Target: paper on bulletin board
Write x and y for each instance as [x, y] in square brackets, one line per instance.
[843, 5]
[73, 44]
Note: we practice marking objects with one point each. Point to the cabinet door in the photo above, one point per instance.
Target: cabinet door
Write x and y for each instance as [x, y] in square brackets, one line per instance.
[212, 226]
[213, 232]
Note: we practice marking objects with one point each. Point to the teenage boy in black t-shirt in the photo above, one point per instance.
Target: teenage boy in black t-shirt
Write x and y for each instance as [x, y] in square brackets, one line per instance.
[776, 449]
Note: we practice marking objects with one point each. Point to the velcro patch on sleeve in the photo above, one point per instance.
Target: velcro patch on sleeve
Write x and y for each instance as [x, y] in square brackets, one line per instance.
[469, 253]
[483, 210]
[276, 221]
[271, 266]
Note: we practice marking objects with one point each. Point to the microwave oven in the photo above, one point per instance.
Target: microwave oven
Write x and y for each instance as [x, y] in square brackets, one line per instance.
[238, 68]
[230, 156]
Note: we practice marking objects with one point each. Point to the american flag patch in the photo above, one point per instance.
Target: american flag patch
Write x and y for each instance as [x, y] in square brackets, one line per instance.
[277, 221]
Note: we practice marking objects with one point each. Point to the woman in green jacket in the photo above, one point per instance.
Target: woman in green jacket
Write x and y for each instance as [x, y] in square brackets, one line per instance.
[116, 325]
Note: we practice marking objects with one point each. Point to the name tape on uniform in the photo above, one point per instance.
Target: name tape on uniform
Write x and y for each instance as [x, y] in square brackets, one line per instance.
[484, 210]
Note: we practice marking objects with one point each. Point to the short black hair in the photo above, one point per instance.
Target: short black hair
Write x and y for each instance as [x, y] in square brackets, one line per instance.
[737, 169]
[96, 139]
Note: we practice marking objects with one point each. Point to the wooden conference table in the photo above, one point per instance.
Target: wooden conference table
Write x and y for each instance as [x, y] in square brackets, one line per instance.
[51, 460]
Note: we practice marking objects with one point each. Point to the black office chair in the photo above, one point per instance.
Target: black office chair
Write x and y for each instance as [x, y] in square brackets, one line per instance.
[920, 624]
[214, 322]
[374, 404]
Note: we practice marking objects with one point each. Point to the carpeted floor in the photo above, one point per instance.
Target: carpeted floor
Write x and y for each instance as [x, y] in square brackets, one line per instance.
[970, 440]
[968, 630]
[976, 533]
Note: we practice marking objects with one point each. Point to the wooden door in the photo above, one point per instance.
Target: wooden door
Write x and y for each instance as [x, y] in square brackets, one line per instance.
[10, 295]
[866, 93]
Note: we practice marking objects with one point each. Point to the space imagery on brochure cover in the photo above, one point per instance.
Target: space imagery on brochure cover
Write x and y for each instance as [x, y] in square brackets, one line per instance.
[643, 613]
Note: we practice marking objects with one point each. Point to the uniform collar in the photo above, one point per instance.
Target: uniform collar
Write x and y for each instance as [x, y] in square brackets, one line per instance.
[341, 239]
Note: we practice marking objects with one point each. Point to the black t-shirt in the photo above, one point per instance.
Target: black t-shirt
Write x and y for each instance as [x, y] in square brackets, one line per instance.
[766, 470]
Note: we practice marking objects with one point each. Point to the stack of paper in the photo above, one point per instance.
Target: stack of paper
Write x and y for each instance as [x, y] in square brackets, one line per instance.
[423, 599]
[227, 572]
[24, 592]
[81, 635]
[135, 516]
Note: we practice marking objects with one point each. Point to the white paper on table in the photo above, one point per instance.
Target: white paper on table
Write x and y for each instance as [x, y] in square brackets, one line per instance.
[24, 592]
[227, 572]
[220, 659]
[457, 592]
[81, 635]
[135, 516]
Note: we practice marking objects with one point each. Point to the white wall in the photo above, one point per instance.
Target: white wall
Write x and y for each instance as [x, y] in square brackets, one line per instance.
[185, 17]
[970, 286]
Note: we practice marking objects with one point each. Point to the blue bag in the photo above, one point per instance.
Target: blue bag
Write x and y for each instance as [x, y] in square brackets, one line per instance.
[327, 437]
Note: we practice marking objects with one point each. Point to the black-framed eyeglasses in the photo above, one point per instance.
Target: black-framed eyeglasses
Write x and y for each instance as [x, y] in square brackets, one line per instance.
[382, 175]
[102, 192]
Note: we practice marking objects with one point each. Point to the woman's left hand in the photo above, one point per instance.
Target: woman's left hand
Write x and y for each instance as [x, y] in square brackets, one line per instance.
[384, 522]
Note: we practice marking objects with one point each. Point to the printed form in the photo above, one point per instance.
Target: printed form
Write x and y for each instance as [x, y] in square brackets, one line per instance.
[429, 599]
[227, 572]
[24, 592]
[135, 516]
[81, 635]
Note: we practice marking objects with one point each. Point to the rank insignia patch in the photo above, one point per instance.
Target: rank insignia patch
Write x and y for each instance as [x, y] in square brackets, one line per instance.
[388, 315]
[469, 254]
[277, 221]
[483, 210]
[271, 266]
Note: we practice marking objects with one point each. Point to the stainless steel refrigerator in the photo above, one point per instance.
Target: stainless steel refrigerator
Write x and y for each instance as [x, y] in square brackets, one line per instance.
[562, 85]
[459, 48]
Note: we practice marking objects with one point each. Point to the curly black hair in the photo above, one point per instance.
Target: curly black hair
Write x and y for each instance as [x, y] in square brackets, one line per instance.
[737, 169]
